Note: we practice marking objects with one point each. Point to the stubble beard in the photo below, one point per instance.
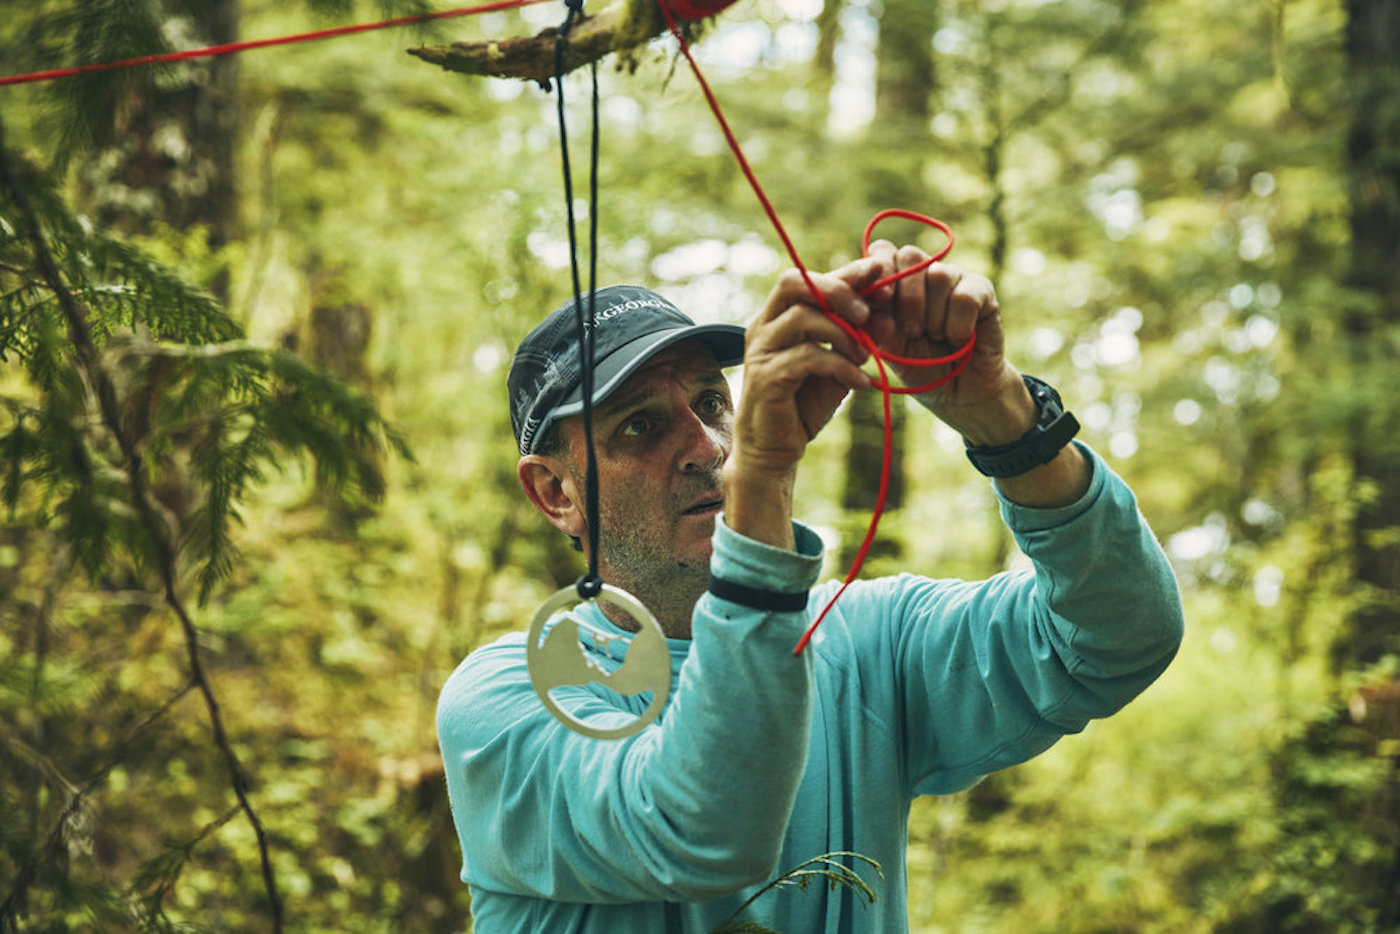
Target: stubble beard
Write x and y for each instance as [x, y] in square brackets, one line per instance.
[634, 557]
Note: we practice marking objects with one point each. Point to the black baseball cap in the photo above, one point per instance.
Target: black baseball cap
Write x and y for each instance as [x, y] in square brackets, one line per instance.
[632, 325]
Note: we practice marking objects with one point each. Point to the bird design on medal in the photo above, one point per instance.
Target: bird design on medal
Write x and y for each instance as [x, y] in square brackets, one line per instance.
[557, 658]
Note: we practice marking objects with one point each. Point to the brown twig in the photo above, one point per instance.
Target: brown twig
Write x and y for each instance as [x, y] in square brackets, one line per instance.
[148, 513]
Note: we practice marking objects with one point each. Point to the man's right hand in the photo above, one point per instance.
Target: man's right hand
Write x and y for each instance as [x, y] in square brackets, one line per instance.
[798, 366]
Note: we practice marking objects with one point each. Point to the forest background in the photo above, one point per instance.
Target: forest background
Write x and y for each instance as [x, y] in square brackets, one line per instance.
[257, 470]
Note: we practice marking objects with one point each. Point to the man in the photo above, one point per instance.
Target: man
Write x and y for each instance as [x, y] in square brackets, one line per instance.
[763, 759]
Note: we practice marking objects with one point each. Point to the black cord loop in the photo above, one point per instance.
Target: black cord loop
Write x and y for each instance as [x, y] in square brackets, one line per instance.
[591, 584]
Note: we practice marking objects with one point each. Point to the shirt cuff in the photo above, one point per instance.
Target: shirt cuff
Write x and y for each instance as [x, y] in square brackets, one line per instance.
[752, 563]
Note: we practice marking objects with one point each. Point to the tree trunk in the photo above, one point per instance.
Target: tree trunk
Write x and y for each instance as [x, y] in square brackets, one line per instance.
[904, 82]
[168, 155]
[1373, 150]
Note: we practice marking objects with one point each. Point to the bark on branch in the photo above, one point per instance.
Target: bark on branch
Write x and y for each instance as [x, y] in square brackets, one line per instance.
[623, 27]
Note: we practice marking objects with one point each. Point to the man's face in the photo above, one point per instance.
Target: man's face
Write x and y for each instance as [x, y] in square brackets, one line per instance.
[661, 439]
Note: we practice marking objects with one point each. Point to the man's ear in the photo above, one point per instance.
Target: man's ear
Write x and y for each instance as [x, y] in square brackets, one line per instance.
[551, 488]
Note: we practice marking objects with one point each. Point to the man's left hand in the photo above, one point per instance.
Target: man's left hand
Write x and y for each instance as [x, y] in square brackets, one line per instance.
[934, 313]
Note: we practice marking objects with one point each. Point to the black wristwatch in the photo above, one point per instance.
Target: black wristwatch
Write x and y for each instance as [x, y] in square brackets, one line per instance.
[1053, 429]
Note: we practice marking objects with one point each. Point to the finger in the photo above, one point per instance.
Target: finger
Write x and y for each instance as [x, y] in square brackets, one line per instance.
[940, 281]
[973, 300]
[911, 316]
[812, 361]
[806, 383]
[884, 253]
[860, 274]
[803, 324]
[817, 290]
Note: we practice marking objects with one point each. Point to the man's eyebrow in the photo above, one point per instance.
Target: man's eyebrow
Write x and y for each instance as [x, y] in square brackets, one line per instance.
[616, 404]
[609, 407]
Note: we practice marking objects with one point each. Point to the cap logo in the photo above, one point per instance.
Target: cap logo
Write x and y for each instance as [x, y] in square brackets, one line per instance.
[631, 305]
[527, 433]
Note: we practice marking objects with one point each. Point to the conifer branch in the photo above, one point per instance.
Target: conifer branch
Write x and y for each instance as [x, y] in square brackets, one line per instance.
[152, 523]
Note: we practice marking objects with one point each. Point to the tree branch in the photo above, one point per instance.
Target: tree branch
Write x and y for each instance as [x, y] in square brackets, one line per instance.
[622, 27]
[148, 514]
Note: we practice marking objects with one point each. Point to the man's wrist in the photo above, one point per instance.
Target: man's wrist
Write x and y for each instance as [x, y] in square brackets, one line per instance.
[1053, 429]
[758, 502]
[1060, 482]
[1000, 419]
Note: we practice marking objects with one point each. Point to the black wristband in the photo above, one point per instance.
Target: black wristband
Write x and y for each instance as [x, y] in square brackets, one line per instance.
[1053, 430]
[756, 599]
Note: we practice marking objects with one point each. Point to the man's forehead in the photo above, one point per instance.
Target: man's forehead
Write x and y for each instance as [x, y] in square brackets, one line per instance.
[688, 361]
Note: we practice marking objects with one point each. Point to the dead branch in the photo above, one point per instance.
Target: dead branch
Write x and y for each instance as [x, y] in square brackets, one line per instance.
[623, 27]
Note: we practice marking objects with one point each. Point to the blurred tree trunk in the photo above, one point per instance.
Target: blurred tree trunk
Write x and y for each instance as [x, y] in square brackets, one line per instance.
[904, 79]
[1373, 51]
[1373, 48]
[828, 31]
[167, 154]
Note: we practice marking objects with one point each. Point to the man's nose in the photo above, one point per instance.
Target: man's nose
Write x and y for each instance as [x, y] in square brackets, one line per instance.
[706, 446]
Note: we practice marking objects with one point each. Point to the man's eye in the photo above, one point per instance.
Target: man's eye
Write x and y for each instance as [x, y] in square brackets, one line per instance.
[634, 427]
[713, 405]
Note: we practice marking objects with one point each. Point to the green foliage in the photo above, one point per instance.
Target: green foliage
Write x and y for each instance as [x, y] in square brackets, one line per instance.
[1161, 193]
[188, 384]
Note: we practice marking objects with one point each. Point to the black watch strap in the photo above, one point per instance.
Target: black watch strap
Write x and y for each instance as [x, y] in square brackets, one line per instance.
[1053, 429]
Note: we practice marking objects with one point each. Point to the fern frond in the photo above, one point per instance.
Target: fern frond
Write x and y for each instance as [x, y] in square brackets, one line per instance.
[241, 409]
[184, 380]
[743, 927]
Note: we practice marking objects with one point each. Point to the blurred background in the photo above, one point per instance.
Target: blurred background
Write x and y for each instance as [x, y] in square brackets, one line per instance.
[1191, 209]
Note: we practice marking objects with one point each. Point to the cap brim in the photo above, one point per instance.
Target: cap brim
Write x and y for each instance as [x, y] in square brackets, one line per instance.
[725, 341]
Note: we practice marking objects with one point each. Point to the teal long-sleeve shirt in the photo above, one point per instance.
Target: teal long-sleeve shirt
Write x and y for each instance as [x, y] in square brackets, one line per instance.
[762, 760]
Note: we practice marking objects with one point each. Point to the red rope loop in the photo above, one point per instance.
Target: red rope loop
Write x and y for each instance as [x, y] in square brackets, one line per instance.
[958, 359]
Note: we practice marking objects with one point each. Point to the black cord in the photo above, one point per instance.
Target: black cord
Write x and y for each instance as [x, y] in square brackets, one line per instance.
[591, 584]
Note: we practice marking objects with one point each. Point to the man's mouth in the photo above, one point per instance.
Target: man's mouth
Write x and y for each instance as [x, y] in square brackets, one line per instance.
[705, 507]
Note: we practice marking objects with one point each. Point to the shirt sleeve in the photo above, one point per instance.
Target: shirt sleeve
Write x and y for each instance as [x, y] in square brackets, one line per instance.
[692, 807]
[971, 677]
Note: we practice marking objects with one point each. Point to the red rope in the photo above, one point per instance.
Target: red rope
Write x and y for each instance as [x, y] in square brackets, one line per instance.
[957, 358]
[672, 10]
[230, 48]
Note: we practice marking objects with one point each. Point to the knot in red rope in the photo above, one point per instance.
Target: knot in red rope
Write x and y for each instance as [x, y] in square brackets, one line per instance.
[693, 9]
